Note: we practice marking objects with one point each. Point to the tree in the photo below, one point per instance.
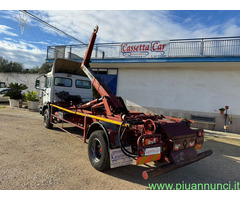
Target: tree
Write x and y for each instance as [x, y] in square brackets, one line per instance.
[45, 68]
[34, 70]
[3, 63]
[9, 66]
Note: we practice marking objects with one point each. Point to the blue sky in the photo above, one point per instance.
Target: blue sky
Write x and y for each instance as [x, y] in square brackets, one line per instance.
[30, 47]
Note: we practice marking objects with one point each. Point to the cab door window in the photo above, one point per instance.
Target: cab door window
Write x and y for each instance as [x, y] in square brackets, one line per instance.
[83, 84]
[64, 82]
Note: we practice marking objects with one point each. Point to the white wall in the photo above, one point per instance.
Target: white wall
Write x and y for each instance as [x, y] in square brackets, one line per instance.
[28, 79]
[190, 89]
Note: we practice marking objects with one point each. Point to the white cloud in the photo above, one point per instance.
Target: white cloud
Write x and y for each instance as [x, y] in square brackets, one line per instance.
[22, 52]
[6, 30]
[6, 38]
[122, 26]
[42, 43]
[230, 28]
[114, 25]
[9, 14]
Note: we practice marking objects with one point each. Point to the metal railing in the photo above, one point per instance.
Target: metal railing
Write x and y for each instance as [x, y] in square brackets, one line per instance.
[199, 47]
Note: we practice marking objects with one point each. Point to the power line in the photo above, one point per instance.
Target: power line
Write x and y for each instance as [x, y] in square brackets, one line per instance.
[51, 26]
[55, 28]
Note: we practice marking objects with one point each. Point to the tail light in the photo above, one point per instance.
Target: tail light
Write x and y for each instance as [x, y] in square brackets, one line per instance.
[191, 143]
[148, 141]
[176, 147]
[198, 146]
[141, 152]
[200, 133]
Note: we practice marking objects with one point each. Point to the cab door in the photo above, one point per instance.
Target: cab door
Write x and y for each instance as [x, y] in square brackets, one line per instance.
[47, 97]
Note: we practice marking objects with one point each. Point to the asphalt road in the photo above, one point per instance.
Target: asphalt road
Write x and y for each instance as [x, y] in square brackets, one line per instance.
[32, 157]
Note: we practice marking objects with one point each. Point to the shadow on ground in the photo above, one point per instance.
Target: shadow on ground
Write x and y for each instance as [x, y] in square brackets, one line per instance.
[221, 167]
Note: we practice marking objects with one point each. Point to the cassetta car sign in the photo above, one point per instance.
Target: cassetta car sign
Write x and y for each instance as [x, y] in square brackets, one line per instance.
[145, 49]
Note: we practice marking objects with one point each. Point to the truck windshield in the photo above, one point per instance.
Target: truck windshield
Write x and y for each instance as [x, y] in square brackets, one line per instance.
[83, 84]
[65, 82]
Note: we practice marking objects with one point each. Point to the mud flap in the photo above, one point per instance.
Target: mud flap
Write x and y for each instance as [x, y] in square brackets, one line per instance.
[118, 158]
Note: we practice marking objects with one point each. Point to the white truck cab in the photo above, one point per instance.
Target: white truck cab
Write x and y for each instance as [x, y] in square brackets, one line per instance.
[66, 83]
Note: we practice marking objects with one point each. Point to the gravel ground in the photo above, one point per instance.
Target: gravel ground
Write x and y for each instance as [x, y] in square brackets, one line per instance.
[33, 157]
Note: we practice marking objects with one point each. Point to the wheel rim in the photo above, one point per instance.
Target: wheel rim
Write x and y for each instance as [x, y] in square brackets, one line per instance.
[96, 150]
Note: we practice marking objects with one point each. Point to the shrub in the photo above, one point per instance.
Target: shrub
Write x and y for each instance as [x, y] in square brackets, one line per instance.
[31, 96]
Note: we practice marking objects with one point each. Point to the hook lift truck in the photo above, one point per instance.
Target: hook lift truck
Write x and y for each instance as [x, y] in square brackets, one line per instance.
[115, 135]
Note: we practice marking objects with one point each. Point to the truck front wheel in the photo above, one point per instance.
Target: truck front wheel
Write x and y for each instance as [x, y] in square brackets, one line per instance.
[98, 151]
[47, 119]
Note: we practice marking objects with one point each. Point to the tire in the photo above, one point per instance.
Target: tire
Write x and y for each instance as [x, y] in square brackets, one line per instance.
[46, 119]
[98, 153]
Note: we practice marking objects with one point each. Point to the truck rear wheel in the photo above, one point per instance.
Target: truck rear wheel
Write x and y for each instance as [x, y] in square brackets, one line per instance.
[98, 151]
[46, 119]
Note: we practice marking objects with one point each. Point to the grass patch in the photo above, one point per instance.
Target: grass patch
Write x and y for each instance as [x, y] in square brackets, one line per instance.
[2, 107]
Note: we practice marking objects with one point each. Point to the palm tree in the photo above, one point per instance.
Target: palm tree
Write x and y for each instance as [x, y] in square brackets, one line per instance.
[16, 91]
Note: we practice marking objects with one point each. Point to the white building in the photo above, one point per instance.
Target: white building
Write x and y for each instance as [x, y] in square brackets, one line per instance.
[181, 78]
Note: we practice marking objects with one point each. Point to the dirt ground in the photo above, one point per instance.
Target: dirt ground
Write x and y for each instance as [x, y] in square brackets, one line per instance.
[33, 157]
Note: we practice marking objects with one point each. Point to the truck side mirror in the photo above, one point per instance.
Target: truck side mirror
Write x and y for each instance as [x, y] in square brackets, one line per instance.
[37, 84]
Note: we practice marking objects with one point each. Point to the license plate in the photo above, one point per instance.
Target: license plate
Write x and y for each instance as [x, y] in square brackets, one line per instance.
[152, 151]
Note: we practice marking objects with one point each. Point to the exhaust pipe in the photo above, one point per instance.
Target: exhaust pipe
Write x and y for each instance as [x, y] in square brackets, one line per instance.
[172, 166]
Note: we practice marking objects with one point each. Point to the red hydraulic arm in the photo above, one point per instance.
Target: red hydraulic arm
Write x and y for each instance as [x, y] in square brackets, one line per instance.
[113, 104]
